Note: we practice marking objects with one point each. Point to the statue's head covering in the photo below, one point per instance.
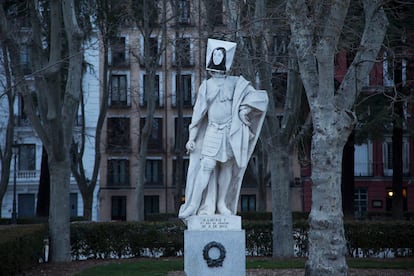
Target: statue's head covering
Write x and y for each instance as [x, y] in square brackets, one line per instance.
[227, 49]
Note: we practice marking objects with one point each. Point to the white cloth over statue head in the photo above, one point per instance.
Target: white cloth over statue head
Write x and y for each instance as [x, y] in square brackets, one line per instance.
[217, 48]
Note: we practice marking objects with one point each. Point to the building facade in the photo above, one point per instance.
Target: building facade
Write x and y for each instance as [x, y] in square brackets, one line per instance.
[373, 165]
[27, 157]
[178, 41]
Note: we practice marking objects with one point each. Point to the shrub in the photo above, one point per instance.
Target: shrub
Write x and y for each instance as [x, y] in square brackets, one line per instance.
[133, 239]
[21, 247]
[126, 239]
[370, 238]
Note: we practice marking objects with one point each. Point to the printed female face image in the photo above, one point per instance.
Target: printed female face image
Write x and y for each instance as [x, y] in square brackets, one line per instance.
[217, 60]
[218, 56]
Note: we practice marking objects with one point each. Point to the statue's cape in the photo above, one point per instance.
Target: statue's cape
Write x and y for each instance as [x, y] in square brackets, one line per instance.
[242, 140]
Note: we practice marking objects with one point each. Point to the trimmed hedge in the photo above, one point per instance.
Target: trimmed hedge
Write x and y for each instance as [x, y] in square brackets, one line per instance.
[126, 239]
[369, 238]
[21, 247]
[133, 239]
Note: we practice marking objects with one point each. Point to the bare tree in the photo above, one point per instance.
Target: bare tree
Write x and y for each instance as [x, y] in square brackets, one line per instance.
[6, 147]
[316, 28]
[145, 15]
[179, 138]
[258, 59]
[57, 83]
[110, 16]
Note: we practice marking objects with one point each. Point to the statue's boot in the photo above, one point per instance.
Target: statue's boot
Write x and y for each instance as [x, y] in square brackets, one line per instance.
[203, 178]
[223, 188]
[189, 211]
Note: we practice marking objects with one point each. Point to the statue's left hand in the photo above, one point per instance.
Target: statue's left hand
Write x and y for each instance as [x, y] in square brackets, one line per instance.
[243, 115]
[190, 146]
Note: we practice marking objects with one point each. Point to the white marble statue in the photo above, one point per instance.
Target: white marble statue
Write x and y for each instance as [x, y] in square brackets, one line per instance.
[227, 118]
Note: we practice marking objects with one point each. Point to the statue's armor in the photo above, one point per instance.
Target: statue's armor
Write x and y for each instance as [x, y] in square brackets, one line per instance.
[216, 140]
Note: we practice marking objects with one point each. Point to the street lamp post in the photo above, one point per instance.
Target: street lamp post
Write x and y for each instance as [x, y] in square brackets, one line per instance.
[14, 213]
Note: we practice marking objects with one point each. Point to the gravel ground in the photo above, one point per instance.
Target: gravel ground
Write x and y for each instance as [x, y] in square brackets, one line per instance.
[66, 269]
[293, 272]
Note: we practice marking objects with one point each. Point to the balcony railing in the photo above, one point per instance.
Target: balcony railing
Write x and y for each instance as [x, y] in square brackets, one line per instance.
[22, 175]
[368, 169]
[29, 175]
[363, 169]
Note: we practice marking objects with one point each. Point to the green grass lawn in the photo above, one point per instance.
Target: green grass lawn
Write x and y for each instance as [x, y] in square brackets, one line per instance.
[148, 267]
[160, 267]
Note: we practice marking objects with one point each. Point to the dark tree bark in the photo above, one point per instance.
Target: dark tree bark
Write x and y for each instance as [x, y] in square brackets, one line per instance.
[43, 195]
[397, 162]
[348, 178]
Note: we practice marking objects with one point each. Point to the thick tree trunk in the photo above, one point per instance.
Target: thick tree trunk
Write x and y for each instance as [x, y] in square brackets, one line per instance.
[327, 244]
[139, 192]
[59, 229]
[281, 210]
[87, 205]
[316, 29]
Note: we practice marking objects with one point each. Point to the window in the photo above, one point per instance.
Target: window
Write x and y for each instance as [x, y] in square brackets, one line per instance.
[117, 12]
[152, 49]
[363, 160]
[118, 207]
[118, 173]
[279, 86]
[26, 205]
[118, 134]
[183, 132]
[155, 142]
[388, 69]
[360, 202]
[153, 172]
[118, 52]
[184, 172]
[27, 157]
[184, 86]
[248, 203]
[183, 11]
[387, 157]
[279, 49]
[151, 204]
[119, 90]
[22, 119]
[214, 11]
[145, 91]
[149, 10]
[183, 53]
[24, 60]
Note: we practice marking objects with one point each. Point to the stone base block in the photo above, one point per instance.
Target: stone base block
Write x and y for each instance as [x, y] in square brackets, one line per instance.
[215, 253]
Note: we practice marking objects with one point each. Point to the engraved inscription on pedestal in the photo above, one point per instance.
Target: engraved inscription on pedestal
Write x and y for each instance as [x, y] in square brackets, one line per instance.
[214, 223]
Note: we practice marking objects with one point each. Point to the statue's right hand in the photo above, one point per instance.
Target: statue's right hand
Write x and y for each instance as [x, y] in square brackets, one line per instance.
[190, 146]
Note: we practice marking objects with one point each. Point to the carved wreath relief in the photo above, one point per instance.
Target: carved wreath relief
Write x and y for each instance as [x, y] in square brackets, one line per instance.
[217, 261]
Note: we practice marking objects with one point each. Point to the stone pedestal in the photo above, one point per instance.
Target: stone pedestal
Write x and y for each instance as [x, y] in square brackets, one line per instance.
[214, 245]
